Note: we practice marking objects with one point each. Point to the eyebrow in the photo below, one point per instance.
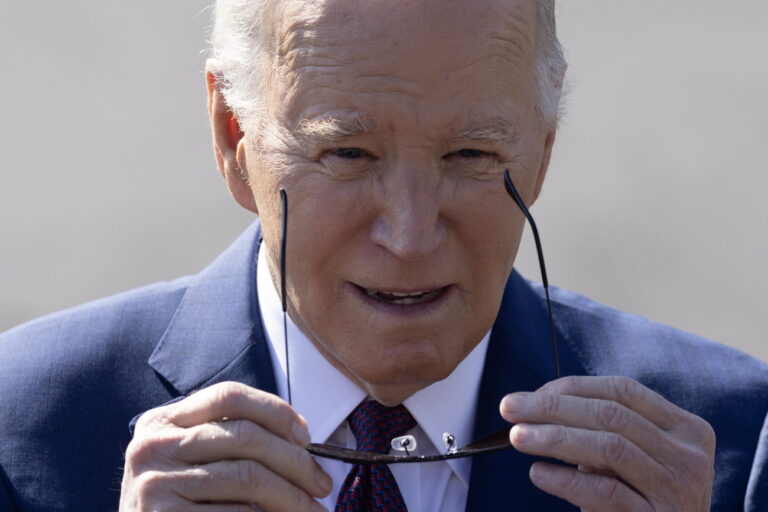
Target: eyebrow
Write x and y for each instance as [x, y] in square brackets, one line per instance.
[497, 130]
[333, 129]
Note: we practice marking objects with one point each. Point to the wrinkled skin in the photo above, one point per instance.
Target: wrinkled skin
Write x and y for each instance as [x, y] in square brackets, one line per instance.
[389, 124]
[416, 200]
[634, 450]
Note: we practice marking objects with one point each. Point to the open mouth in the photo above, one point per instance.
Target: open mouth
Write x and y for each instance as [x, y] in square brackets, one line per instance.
[405, 298]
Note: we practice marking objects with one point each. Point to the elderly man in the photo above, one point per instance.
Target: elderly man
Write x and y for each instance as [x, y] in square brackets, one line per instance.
[373, 137]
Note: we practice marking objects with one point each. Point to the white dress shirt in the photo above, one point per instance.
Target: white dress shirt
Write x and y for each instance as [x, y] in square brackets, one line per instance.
[326, 397]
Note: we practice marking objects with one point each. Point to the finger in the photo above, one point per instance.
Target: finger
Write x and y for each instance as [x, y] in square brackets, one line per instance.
[243, 481]
[601, 451]
[604, 472]
[234, 400]
[593, 492]
[630, 393]
[242, 439]
[588, 413]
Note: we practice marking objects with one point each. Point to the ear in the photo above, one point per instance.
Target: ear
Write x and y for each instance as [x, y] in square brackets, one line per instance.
[549, 142]
[228, 143]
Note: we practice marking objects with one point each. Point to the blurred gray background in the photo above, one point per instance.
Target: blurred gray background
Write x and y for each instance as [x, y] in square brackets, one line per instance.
[654, 202]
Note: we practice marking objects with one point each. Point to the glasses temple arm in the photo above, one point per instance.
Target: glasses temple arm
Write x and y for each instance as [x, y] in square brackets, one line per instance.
[283, 296]
[512, 191]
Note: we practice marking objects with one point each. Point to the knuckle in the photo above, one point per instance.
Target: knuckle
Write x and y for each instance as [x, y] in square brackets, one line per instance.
[572, 483]
[699, 464]
[706, 434]
[194, 436]
[627, 389]
[556, 435]
[151, 418]
[284, 411]
[550, 404]
[697, 432]
[611, 415]
[144, 421]
[614, 447]
[150, 483]
[674, 482]
[244, 435]
[143, 450]
[230, 393]
[284, 417]
[607, 490]
[302, 459]
[300, 501]
[251, 475]
[561, 385]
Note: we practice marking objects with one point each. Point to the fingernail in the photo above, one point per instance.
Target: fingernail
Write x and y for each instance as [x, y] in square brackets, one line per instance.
[537, 473]
[514, 404]
[300, 434]
[324, 483]
[521, 434]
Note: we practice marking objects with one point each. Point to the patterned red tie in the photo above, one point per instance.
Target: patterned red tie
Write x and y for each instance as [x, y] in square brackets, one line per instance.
[373, 487]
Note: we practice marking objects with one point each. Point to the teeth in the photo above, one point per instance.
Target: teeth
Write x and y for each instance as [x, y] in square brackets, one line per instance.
[404, 298]
[415, 294]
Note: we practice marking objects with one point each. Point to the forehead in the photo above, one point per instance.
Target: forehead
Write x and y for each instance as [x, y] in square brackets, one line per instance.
[401, 54]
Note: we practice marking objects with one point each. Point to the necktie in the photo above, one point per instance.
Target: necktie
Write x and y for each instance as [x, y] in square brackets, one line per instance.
[373, 487]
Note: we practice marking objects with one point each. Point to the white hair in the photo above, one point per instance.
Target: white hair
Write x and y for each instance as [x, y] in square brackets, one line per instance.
[236, 46]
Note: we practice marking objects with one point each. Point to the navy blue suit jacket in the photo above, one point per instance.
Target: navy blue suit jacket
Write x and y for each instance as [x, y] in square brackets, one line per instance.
[70, 383]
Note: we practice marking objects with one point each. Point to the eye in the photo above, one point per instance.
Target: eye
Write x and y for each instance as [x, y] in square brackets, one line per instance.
[347, 163]
[348, 153]
[471, 163]
[471, 153]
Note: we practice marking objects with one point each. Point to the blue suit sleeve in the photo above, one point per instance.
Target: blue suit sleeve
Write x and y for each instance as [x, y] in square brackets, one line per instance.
[756, 499]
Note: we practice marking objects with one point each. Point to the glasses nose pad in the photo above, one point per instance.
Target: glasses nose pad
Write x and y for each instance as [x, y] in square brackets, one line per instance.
[404, 444]
[449, 442]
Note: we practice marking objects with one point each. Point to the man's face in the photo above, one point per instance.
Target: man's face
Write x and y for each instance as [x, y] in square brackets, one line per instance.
[389, 124]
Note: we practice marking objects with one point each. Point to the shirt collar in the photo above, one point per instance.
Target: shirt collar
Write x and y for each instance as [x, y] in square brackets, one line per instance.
[324, 406]
[444, 406]
[448, 406]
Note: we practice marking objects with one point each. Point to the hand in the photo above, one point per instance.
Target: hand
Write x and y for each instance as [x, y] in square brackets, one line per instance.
[635, 451]
[228, 447]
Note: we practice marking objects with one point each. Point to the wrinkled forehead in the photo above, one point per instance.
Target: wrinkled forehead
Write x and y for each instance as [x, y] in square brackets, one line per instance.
[408, 39]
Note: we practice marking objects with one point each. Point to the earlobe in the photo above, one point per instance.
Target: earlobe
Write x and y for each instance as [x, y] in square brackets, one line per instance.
[228, 143]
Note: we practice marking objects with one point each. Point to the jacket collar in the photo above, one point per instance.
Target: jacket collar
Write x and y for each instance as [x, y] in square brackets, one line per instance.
[216, 333]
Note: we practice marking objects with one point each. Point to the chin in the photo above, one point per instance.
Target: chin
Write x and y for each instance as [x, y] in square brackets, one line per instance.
[401, 377]
[392, 394]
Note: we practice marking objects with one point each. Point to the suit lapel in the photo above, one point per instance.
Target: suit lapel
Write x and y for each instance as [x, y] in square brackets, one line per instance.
[216, 333]
[519, 358]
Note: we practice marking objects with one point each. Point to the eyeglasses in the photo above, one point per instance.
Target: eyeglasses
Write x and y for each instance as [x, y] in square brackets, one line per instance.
[494, 442]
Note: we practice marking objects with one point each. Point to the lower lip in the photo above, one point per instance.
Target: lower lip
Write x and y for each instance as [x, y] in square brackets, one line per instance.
[405, 310]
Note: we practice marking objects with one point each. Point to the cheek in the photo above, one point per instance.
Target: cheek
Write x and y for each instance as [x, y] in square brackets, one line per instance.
[488, 228]
[326, 224]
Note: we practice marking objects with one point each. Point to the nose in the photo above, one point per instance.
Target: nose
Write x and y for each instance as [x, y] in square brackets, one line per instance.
[409, 223]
